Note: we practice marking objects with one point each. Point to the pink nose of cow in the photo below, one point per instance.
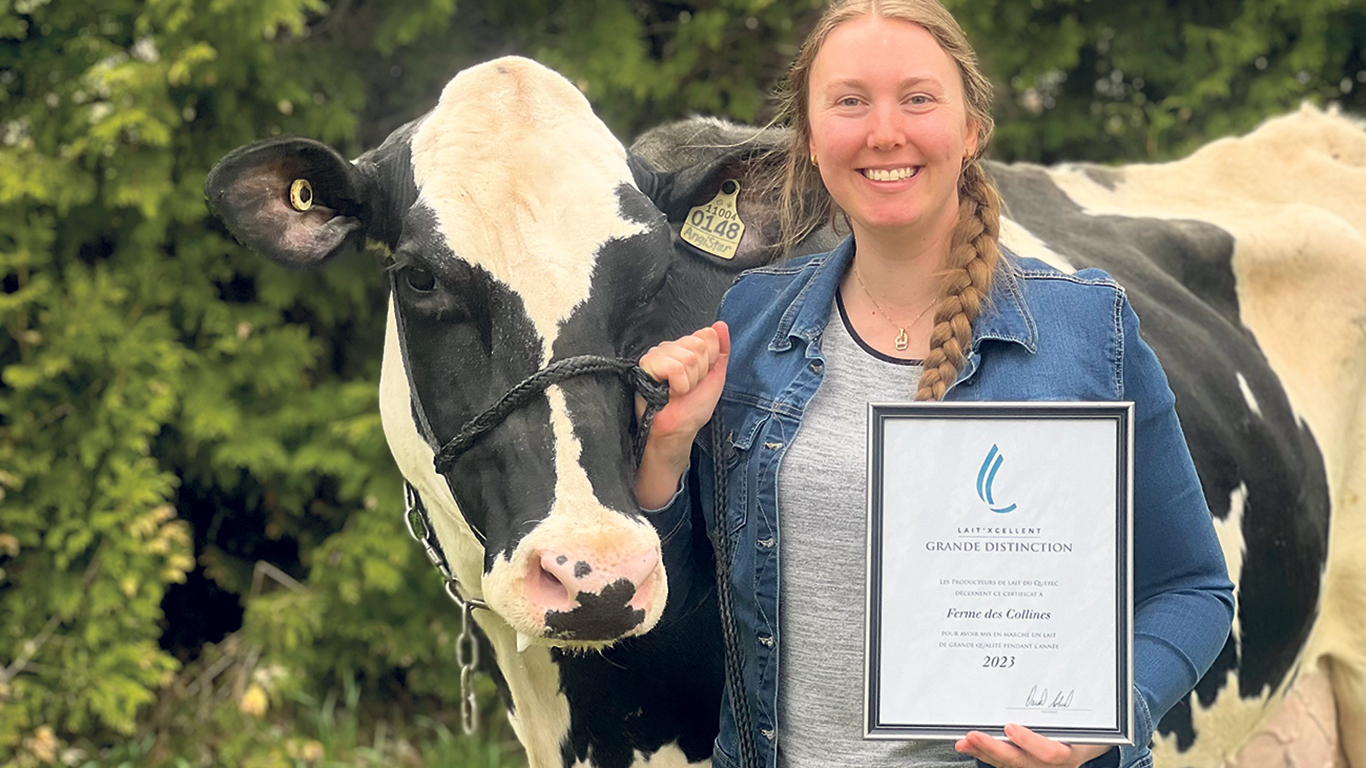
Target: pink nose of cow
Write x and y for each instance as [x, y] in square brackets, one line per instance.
[565, 578]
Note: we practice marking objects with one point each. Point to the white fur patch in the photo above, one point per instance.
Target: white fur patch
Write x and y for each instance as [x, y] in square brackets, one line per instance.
[1250, 398]
[1219, 728]
[1302, 734]
[523, 179]
[1230, 534]
[1023, 243]
[541, 716]
[668, 756]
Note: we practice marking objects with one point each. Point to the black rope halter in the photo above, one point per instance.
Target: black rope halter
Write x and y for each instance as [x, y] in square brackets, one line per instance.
[655, 394]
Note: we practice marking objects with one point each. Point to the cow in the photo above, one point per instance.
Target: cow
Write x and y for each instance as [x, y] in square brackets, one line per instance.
[520, 234]
[1243, 261]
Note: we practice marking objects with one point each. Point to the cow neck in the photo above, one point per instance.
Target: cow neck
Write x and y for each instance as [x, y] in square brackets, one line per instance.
[420, 528]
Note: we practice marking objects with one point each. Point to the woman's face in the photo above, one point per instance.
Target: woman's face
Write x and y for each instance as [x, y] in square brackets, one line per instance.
[889, 126]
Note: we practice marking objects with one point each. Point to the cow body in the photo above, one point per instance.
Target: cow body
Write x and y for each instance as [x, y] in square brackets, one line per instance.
[1243, 261]
[522, 233]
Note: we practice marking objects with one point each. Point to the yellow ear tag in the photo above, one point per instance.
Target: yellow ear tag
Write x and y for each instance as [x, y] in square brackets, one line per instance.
[301, 195]
[715, 226]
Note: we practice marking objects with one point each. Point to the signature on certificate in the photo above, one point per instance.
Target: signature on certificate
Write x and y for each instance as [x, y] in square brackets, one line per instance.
[1040, 698]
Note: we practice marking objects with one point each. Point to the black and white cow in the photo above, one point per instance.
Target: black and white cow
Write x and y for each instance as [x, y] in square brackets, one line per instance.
[519, 236]
[522, 233]
[1245, 263]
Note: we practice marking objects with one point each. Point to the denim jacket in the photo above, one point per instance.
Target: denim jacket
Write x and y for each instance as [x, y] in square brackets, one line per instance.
[1043, 335]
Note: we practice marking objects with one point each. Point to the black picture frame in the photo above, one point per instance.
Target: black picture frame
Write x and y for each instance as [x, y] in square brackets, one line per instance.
[1121, 414]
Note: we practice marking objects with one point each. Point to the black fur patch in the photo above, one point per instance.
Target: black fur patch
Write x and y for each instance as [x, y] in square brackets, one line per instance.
[599, 616]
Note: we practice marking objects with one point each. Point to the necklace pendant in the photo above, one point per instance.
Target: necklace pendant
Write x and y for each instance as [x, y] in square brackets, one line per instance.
[902, 341]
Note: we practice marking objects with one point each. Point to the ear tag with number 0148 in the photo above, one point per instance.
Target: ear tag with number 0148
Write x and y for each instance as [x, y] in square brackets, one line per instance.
[715, 226]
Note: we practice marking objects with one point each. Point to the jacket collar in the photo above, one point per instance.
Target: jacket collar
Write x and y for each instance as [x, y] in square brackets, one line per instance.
[1004, 317]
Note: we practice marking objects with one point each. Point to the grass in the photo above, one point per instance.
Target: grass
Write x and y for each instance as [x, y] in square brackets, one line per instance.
[218, 712]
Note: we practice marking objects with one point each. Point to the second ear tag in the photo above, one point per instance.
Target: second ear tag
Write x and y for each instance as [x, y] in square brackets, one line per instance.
[715, 226]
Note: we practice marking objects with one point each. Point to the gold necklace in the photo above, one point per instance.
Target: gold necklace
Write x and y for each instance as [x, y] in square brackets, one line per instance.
[902, 339]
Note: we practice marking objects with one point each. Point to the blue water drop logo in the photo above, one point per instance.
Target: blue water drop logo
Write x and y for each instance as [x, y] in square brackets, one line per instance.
[986, 476]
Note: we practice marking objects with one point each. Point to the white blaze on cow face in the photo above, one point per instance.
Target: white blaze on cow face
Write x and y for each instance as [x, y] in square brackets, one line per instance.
[523, 180]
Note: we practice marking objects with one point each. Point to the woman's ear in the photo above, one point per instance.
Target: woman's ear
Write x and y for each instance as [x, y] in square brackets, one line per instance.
[971, 140]
[295, 201]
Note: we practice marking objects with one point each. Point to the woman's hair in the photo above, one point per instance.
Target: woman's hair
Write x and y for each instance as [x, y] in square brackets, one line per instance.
[804, 204]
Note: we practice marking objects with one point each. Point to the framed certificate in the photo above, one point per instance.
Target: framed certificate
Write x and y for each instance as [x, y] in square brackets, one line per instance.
[999, 586]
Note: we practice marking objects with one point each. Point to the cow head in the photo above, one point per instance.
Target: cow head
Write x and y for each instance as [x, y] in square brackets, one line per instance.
[518, 235]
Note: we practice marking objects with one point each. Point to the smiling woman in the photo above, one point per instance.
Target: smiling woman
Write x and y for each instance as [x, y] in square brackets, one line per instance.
[889, 117]
[890, 133]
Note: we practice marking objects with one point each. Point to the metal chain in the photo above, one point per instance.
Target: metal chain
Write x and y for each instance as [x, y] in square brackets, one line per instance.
[467, 656]
[902, 339]
[466, 645]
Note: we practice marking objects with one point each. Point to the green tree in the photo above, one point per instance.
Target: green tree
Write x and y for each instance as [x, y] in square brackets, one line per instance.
[1153, 79]
[145, 353]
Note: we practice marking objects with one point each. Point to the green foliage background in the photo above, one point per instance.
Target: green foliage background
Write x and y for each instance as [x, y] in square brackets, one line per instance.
[174, 411]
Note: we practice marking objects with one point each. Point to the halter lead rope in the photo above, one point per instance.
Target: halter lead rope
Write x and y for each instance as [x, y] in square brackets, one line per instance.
[656, 396]
[730, 632]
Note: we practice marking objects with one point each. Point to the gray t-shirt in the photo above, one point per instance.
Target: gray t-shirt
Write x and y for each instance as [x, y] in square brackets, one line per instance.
[821, 556]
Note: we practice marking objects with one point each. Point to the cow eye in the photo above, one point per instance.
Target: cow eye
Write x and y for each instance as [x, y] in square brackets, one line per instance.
[419, 279]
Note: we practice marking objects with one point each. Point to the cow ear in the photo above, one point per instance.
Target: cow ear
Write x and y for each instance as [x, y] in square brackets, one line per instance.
[700, 172]
[295, 201]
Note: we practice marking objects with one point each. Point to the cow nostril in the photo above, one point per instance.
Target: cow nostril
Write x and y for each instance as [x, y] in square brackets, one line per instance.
[547, 588]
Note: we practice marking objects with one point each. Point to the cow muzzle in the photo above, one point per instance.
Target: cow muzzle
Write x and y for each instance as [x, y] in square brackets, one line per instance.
[574, 584]
[592, 580]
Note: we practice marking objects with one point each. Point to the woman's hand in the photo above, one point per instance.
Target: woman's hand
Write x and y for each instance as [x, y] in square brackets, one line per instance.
[695, 367]
[1027, 749]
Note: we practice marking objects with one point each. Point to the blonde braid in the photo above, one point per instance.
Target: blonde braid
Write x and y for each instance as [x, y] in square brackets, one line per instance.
[973, 254]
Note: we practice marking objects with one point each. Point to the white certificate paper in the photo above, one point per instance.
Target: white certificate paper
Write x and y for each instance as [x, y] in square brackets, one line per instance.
[999, 570]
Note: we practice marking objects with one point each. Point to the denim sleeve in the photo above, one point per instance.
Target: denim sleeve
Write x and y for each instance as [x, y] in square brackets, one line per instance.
[1183, 600]
[689, 506]
[673, 522]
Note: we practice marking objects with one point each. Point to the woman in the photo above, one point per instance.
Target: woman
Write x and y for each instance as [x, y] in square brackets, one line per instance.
[890, 115]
